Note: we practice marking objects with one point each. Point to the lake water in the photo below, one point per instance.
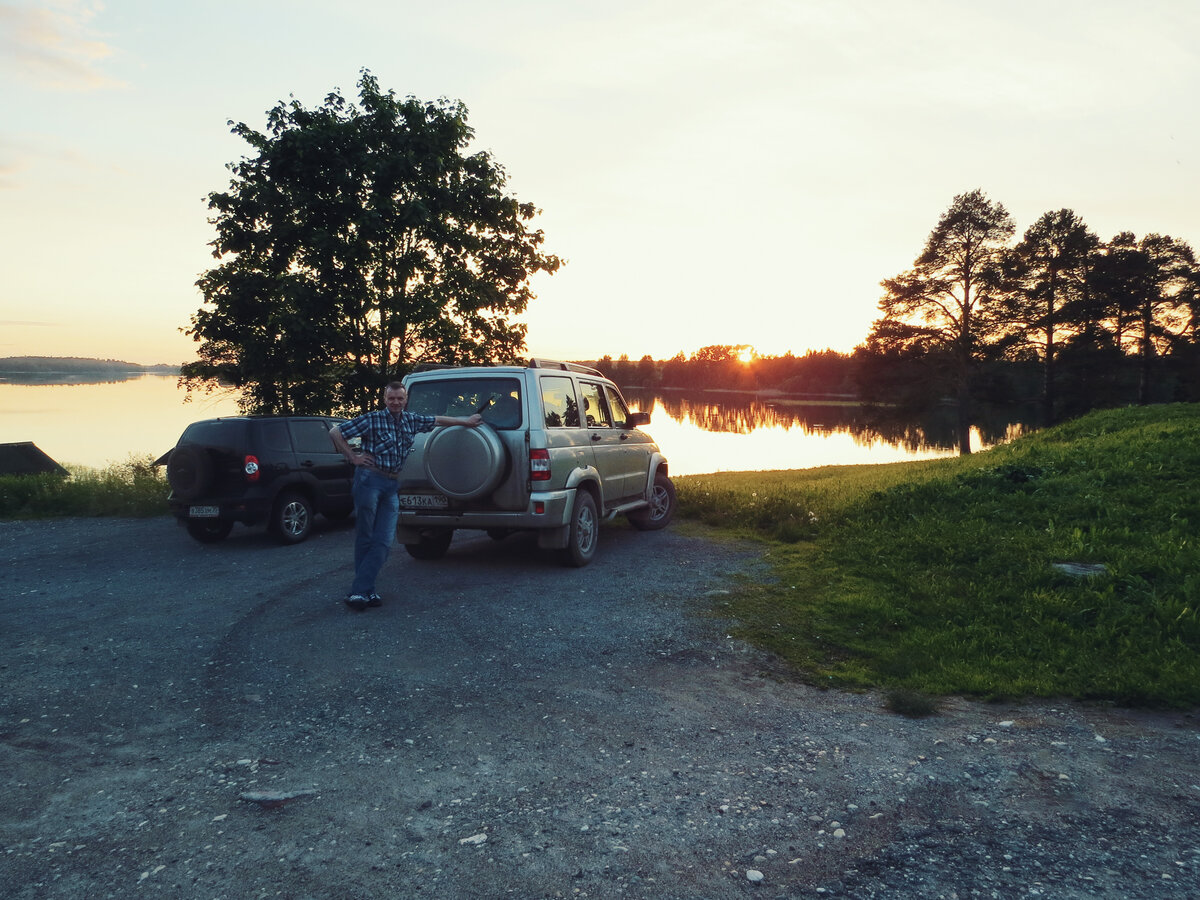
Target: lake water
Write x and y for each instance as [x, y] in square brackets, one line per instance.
[96, 425]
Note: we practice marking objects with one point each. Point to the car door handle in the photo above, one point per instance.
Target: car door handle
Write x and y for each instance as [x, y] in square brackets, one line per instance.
[308, 463]
[596, 437]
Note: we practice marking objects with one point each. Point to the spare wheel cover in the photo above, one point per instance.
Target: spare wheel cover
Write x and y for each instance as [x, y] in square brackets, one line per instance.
[189, 471]
[465, 463]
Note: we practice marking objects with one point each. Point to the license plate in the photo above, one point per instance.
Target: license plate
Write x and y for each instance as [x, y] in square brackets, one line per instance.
[423, 501]
[204, 512]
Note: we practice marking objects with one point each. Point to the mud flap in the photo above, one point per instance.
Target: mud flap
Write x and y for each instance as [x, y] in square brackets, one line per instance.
[406, 535]
[554, 538]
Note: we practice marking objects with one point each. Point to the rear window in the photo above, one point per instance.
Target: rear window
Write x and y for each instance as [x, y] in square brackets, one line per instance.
[216, 433]
[497, 399]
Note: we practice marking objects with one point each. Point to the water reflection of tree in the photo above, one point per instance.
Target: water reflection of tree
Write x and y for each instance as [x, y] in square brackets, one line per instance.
[741, 414]
[75, 379]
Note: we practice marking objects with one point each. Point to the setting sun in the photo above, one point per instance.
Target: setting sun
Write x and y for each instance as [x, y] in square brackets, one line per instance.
[746, 354]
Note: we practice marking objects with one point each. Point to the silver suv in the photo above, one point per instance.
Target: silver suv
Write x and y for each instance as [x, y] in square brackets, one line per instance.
[558, 452]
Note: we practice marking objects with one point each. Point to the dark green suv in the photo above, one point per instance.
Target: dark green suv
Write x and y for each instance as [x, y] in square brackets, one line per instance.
[281, 470]
[558, 452]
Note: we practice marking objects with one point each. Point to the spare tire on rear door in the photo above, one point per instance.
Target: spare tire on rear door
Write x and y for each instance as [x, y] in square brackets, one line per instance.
[189, 471]
[464, 463]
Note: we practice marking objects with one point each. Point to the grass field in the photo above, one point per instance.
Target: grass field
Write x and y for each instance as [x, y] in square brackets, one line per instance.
[947, 576]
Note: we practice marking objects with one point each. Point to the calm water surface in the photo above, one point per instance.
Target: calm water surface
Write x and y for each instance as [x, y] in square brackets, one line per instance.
[100, 424]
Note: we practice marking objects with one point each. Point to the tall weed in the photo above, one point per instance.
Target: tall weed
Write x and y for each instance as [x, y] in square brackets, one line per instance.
[133, 488]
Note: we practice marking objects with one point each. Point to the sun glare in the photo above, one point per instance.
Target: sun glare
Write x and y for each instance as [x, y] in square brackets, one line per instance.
[746, 354]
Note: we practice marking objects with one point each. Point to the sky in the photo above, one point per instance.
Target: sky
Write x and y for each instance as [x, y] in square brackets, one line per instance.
[712, 171]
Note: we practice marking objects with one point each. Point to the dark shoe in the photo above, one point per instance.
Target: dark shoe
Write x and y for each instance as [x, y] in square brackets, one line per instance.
[357, 602]
[373, 599]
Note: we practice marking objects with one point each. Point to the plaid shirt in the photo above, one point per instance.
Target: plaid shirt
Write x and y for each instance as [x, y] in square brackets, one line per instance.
[387, 439]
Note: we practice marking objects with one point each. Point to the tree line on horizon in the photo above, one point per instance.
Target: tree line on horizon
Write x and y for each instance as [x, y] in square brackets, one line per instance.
[1060, 318]
[58, 365]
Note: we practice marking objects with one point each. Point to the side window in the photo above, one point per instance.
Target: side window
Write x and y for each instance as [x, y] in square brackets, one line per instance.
[595, 409]
[559, 406]
[620, 412]
[275, 436]
[311, 436]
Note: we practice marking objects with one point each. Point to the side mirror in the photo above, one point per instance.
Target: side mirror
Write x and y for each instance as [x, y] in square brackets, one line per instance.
[637, 419]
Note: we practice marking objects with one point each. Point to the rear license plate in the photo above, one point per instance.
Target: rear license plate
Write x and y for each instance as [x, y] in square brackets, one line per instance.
[423, 501]
[204, 512]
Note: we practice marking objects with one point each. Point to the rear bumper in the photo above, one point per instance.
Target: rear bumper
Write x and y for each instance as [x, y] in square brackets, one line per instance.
[247, 510]
[555, 513]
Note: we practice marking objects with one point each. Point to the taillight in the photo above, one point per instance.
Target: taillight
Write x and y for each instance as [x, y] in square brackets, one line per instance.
[250, 467]
[539, 465]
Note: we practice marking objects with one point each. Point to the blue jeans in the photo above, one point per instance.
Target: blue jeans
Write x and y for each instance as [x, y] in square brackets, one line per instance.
[376, 509]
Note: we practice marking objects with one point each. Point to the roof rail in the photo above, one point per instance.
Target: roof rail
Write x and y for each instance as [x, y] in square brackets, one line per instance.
[429, 367]
[563, 366]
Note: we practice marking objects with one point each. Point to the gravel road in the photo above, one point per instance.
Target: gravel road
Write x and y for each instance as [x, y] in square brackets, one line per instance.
[180, 720]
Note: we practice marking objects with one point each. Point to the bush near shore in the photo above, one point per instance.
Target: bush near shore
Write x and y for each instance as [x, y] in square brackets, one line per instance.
[135, 487]
[1063, 564]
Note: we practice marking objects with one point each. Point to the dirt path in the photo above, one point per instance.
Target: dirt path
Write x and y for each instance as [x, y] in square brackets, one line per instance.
[188, 721]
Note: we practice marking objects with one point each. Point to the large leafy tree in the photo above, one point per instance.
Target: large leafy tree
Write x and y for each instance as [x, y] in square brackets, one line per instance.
[1188, 347]
[355, 242]
[1162, 309]
[1147, 288]
[945, 305]
[1048, 293]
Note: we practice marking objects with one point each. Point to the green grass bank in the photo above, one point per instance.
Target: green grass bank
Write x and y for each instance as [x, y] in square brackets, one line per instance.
[1064, 564]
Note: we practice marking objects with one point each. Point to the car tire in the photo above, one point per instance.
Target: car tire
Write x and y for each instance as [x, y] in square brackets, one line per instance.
[189, 472]
[662, 506]
[433, 544]
[584, 531]
[292, 517]
[465, 463]
[209, 531]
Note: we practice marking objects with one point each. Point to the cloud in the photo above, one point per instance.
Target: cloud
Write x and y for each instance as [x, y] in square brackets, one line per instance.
[53, 45]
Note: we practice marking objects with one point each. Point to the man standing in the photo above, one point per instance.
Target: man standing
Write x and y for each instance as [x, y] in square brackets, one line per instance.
[387, 439]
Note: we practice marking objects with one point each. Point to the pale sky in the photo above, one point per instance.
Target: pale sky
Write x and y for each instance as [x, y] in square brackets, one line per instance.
[741, 172]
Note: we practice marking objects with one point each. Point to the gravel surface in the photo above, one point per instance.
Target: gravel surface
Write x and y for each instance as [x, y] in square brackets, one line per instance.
[181, 720]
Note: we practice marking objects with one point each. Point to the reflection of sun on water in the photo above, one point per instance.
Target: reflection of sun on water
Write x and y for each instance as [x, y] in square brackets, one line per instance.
[691, 450]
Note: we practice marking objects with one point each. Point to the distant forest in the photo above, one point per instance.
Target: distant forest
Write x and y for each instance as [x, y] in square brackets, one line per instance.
[1058, 318]
[915, 381]
[918, 381]
[74, 365]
